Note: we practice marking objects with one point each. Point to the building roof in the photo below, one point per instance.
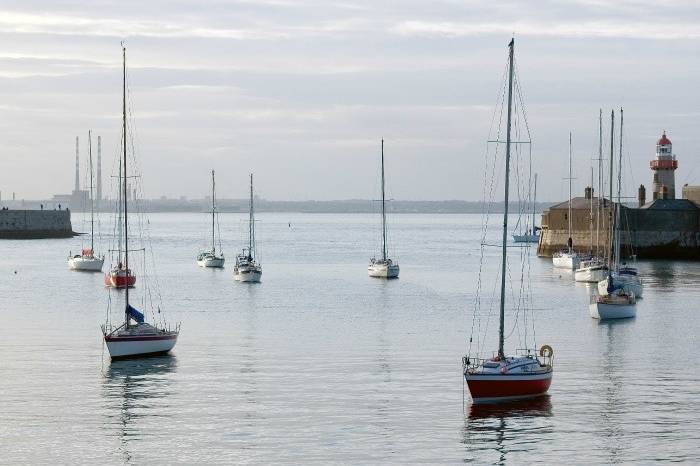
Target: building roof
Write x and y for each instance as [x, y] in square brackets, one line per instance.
[670, 204]
[580, 203]
[664, 141]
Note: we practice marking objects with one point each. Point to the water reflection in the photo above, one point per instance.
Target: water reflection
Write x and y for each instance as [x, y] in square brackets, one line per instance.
[135, 392]
[500, 428]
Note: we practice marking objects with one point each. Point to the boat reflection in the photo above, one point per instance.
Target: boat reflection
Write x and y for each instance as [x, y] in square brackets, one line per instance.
[505, 427]
[134, 391]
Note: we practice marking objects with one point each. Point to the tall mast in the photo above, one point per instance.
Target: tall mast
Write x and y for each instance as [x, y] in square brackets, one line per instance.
[251, 222]
[569, 242]
[511, 46]
[213, 208]
[126, 222]
[92, 200]
[619, 202]
[612, 205]
[384, 254]
[591, 213]
[534, 205]
[600, 181]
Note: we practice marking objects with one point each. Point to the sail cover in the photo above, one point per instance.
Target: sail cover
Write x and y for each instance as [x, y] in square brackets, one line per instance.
[134, 314]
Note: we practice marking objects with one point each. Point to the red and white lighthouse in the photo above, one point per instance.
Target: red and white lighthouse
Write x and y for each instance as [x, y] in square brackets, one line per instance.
[664, 167]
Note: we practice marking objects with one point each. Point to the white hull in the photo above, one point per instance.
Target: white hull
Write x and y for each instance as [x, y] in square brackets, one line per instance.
[250, 277]
[210, 262]
[124, 349]
[526, 238]
[566, 261]
[605, 311]
[590, 275]
[632, 285]
[383, 271]
[91, 264]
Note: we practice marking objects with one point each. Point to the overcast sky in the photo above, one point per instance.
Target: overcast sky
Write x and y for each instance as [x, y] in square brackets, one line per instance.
[300, 92]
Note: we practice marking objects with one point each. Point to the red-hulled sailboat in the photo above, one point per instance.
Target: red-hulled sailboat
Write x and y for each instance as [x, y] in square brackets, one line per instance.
[502, 377]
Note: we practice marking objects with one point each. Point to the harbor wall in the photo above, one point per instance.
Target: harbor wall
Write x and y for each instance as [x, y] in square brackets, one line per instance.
[670, 231]
[34, 224]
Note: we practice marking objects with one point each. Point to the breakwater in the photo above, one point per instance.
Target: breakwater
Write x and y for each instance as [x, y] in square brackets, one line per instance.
[34, 224]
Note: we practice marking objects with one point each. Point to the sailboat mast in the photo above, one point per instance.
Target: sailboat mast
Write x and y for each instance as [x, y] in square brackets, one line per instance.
[213, 207]
[591, 213]
[504, 259]
[126, 222]
[92, 200]
[600, 180]
[384, 252]
[619, 201]
[612, 205]
[534, 205]
[251, 222]
[570, 242]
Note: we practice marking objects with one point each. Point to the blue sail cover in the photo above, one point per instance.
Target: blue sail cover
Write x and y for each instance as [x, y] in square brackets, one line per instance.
[134, 314]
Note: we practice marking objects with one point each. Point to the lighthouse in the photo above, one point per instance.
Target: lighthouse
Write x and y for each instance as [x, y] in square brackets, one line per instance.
[664, 167]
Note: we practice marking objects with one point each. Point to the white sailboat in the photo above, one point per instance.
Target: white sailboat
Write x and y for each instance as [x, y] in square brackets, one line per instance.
[211, 258]
[530, 236]
[87, 260]
[615, 302]
[383, 267]
[502, 377]
[134, 337]
[568, 258]
[594, 269]
[247, 269]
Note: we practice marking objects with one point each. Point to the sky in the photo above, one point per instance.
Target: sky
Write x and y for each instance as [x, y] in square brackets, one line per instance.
[301, 92]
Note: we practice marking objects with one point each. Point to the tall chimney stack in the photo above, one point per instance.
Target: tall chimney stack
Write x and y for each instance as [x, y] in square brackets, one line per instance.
[99, 170]
[77, 166]
[642, 195]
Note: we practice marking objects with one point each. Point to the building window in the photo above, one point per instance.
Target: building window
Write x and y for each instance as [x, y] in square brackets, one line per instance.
[656, 177]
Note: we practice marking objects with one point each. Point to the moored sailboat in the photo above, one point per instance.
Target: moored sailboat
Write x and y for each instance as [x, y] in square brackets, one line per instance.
[568, 258]
[134, 337]
[502, 377]
[87, 260]
[383, 267]
[247, 269]
[212, 258]
[615, 302]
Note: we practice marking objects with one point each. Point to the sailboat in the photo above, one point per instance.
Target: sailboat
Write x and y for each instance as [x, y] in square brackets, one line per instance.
[568, 258]
[134, 337]
[594, 268]
[615, 302]
[120, 276]
[87, 260]
[210, 258]
[247, 269]
[383, 267]
[502, 377]
[530, 236]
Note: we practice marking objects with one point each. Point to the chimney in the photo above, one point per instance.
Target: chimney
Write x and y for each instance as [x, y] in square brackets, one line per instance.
[589, 192]
[642, 195]
[99, 170]
[77, 166]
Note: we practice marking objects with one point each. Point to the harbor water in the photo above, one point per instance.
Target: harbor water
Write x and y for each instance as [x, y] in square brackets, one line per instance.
[320, 364]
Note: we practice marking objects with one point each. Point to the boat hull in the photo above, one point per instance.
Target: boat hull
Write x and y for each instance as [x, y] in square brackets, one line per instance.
[605, 311]
[211, 262]
[526, 238]
[566, 262]
[383, 271]
[590, 275]
[249, 277]
[632, 286]
[120, 281]
[138, 346]
[88, 264]
[494, 388]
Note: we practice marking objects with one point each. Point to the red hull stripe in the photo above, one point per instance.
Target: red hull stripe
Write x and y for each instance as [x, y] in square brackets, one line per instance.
[141, 338]
[507, 387]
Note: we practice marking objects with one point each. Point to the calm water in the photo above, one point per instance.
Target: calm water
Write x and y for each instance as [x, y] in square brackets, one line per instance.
[321, 364]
